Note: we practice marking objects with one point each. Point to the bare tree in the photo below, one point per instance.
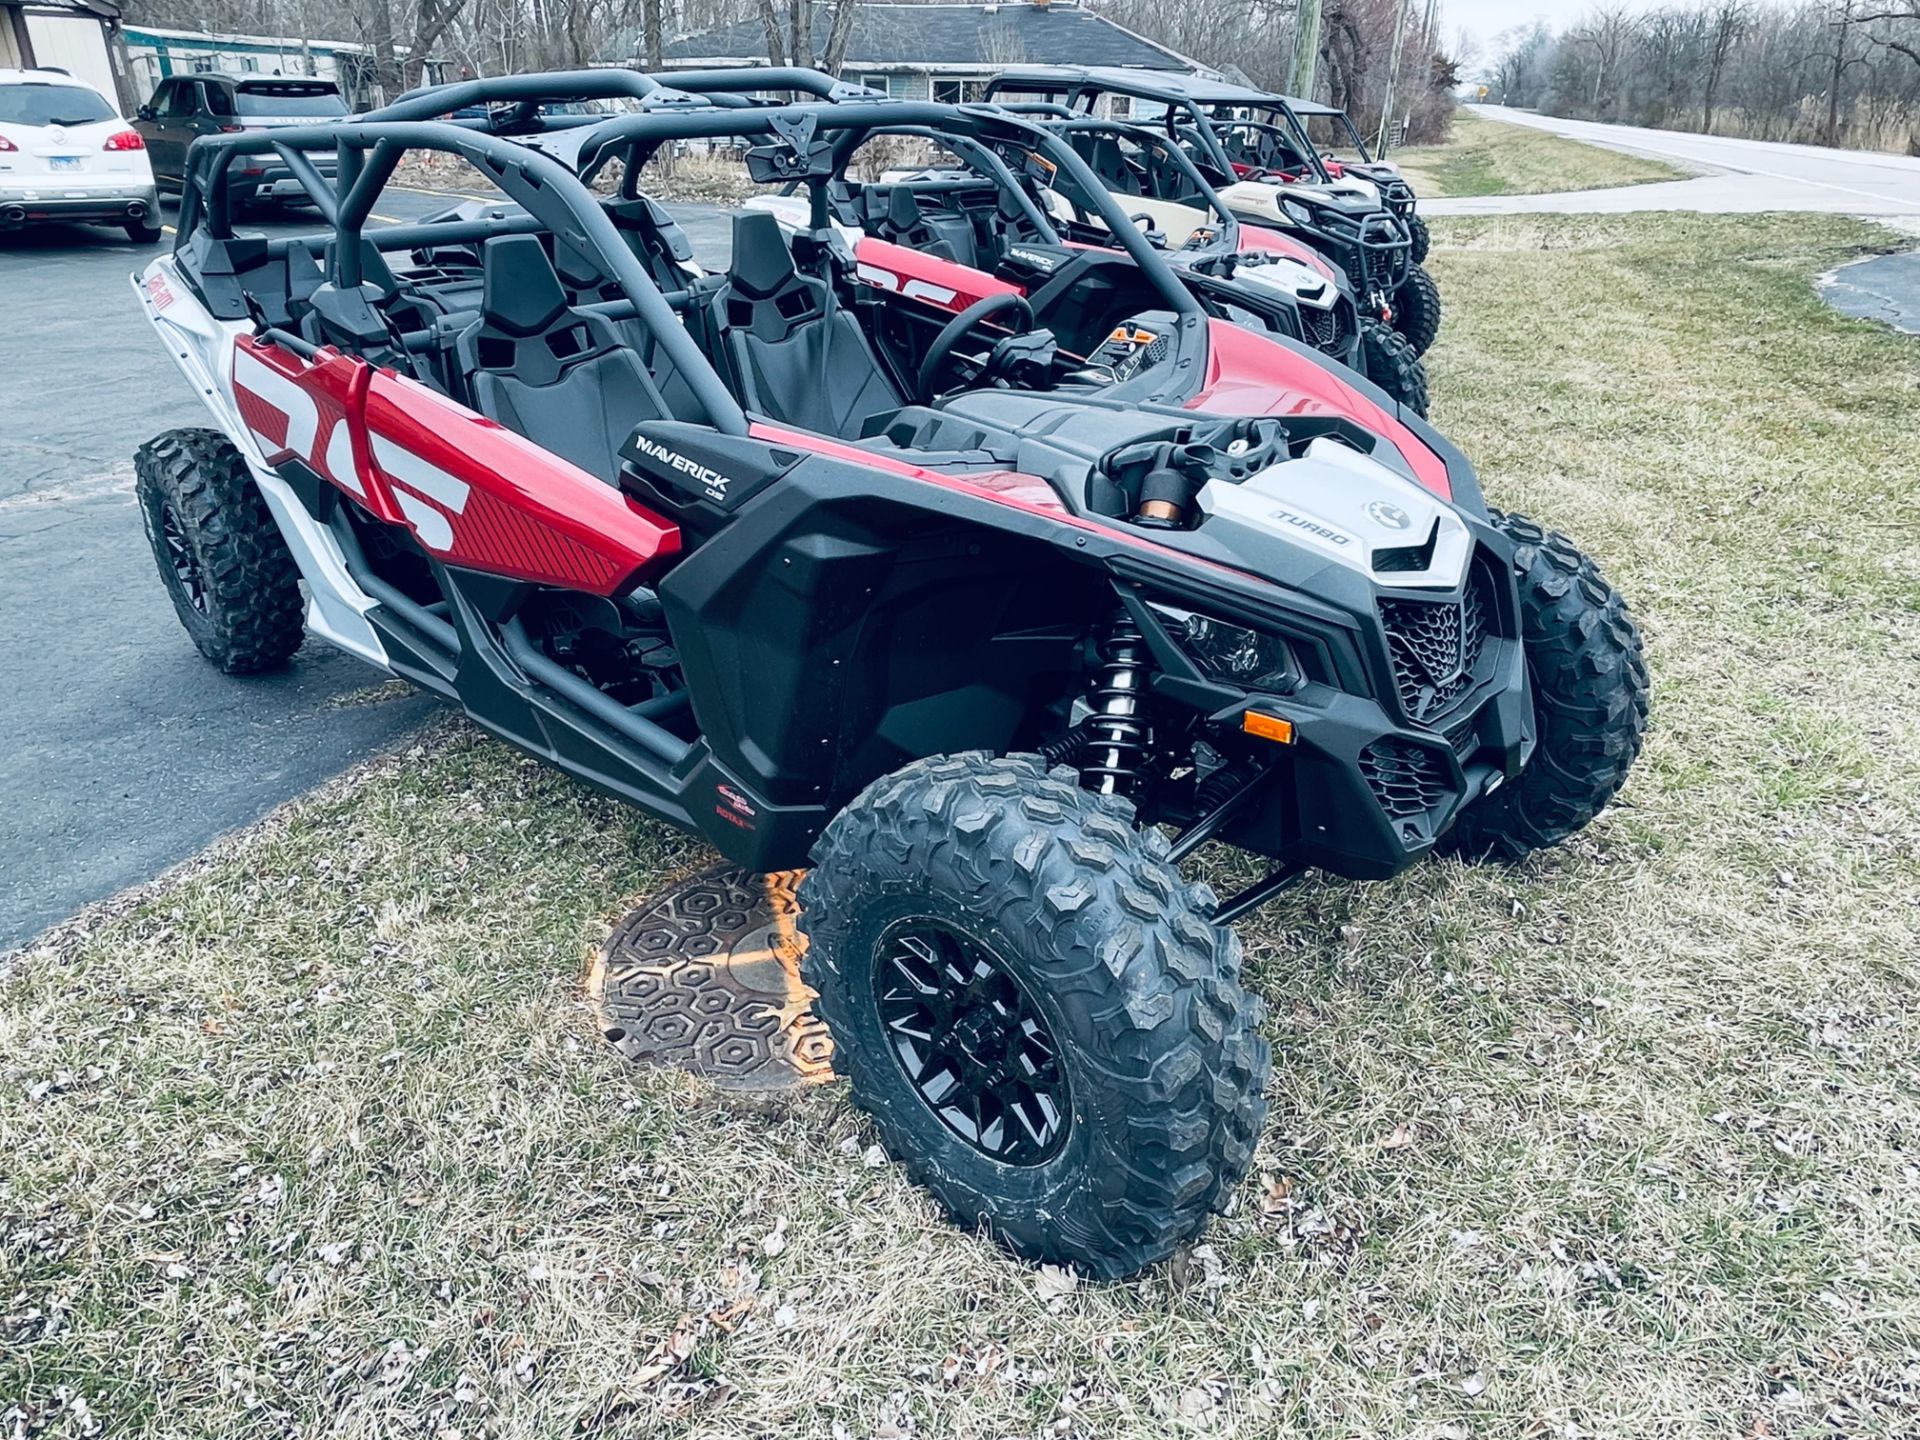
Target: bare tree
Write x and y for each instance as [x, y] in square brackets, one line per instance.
[1726, 22]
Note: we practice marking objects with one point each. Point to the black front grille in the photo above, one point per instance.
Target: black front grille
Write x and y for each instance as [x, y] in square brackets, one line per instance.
[1436, 647]
[1406, 779]
[1323, 329]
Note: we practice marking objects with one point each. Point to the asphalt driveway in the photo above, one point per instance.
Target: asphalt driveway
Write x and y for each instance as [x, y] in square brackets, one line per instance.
[125, 752]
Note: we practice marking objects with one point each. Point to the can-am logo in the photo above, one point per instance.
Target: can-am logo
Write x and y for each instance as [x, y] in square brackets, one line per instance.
[1391, 516]
[1312, 527]
[715, 483]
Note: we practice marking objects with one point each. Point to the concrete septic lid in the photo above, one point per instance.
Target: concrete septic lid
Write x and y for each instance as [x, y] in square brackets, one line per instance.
[706, 978]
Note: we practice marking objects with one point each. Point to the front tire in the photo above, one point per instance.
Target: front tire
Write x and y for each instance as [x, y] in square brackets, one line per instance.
[1416, 309]
[1588, 673]
[229, 573]
[1421, 237]
[1041, 1018]
[1389, 361]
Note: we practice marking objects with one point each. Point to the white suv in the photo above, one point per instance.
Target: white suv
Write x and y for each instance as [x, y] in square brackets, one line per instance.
[66, 154]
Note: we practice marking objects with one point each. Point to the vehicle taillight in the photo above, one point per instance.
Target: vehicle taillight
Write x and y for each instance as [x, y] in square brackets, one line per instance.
[231, 129]
[6, 144]
[126, 140]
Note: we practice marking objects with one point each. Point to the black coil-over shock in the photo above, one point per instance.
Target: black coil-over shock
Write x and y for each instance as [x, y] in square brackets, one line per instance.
[1117, 729]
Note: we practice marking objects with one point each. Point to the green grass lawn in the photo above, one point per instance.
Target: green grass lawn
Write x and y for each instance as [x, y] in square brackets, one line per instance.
[318, 1137]
[1490, 157]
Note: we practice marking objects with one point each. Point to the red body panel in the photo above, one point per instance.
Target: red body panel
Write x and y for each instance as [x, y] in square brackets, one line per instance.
[473, 492]
[483, 496]
[1246, 375]
[311, 412]
[944, 284]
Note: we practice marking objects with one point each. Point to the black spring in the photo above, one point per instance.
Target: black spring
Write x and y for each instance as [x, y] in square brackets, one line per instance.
[1119, 733]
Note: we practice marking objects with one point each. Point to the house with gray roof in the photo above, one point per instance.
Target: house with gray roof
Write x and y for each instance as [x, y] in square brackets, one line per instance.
[939, 52]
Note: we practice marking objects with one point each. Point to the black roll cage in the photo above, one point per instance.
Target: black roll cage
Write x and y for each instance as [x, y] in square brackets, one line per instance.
[368, 149]
[1063, 121]
[1087, 89]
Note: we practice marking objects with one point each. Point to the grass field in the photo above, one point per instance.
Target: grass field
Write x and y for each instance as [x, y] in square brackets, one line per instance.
[319, 1137]
[1488, 157]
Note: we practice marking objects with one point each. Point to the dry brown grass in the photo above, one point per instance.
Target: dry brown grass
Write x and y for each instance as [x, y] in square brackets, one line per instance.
[318, 1138]
[1489, 157]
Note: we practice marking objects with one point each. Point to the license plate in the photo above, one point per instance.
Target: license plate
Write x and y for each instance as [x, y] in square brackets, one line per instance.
[64, 162]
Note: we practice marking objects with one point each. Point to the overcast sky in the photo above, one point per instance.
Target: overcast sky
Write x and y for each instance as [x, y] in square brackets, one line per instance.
[1487, 18]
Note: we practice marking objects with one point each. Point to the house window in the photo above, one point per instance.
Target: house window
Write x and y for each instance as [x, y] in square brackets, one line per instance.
[958, 92]
[885, 84]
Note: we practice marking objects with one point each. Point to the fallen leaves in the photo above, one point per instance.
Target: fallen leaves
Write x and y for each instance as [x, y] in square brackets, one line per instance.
[1053, 1284]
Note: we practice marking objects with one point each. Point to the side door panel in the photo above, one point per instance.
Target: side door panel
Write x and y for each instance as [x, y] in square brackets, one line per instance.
[479, 495]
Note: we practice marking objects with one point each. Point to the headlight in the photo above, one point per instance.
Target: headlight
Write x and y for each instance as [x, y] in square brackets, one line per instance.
[1231, 652]
[1298, 213]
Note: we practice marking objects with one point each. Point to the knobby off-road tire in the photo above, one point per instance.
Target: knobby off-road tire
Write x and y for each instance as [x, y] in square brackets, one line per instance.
[1421, 237]
[1416, 309]
[1590, 690]
[230, 575]
[1160, 1050]
[1389, 362]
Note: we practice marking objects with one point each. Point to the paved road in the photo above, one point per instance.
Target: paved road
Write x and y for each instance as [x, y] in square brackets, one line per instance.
[124, 751]
[1736, 175]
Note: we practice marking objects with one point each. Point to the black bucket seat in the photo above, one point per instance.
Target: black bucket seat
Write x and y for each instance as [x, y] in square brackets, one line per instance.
[796, 355]
[557, 375]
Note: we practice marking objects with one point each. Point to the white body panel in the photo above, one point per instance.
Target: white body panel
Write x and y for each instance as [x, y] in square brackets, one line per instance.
[203, 348]
[1347, 506]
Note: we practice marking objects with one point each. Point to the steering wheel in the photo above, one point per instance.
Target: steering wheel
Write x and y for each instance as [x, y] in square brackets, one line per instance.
[958, 328]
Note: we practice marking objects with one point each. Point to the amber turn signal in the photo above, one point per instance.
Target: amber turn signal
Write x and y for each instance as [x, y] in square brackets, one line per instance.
[1267, 727]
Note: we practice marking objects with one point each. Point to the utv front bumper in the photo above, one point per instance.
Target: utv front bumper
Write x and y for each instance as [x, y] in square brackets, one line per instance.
[1398, 721]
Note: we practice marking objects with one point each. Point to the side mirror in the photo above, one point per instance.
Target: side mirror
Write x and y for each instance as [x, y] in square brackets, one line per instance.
[145, 112]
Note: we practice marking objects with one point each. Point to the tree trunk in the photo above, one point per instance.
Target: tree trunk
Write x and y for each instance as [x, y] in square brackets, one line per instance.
[386, 61]
[770, 23]
[1839, 73]
[840, 36]
[800, 23]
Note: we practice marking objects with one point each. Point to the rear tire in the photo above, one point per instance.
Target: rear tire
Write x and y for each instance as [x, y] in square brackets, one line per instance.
[1416, 309]
[143, 234]
[1421, 237]
[1389, 361]
[1127, 994]
[227, 569]
[1588, 674]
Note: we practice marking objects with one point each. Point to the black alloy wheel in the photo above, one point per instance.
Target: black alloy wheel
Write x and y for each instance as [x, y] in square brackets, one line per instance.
[969, 1041]
[187, 568]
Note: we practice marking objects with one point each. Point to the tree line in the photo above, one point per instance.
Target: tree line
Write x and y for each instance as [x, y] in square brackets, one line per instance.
[1830, 72]
[1250, 40]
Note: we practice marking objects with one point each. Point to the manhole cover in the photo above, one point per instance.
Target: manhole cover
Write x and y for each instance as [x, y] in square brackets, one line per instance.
[707, 978]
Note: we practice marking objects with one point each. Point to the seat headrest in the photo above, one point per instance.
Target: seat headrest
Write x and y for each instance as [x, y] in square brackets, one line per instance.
[520, 293]
[762, 263]
[374, 269]
[1110, 164]
[304, 275]
[903, 209]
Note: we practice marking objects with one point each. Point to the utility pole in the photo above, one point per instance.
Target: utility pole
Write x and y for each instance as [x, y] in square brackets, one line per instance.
[1306, 49]
[1393, 73]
